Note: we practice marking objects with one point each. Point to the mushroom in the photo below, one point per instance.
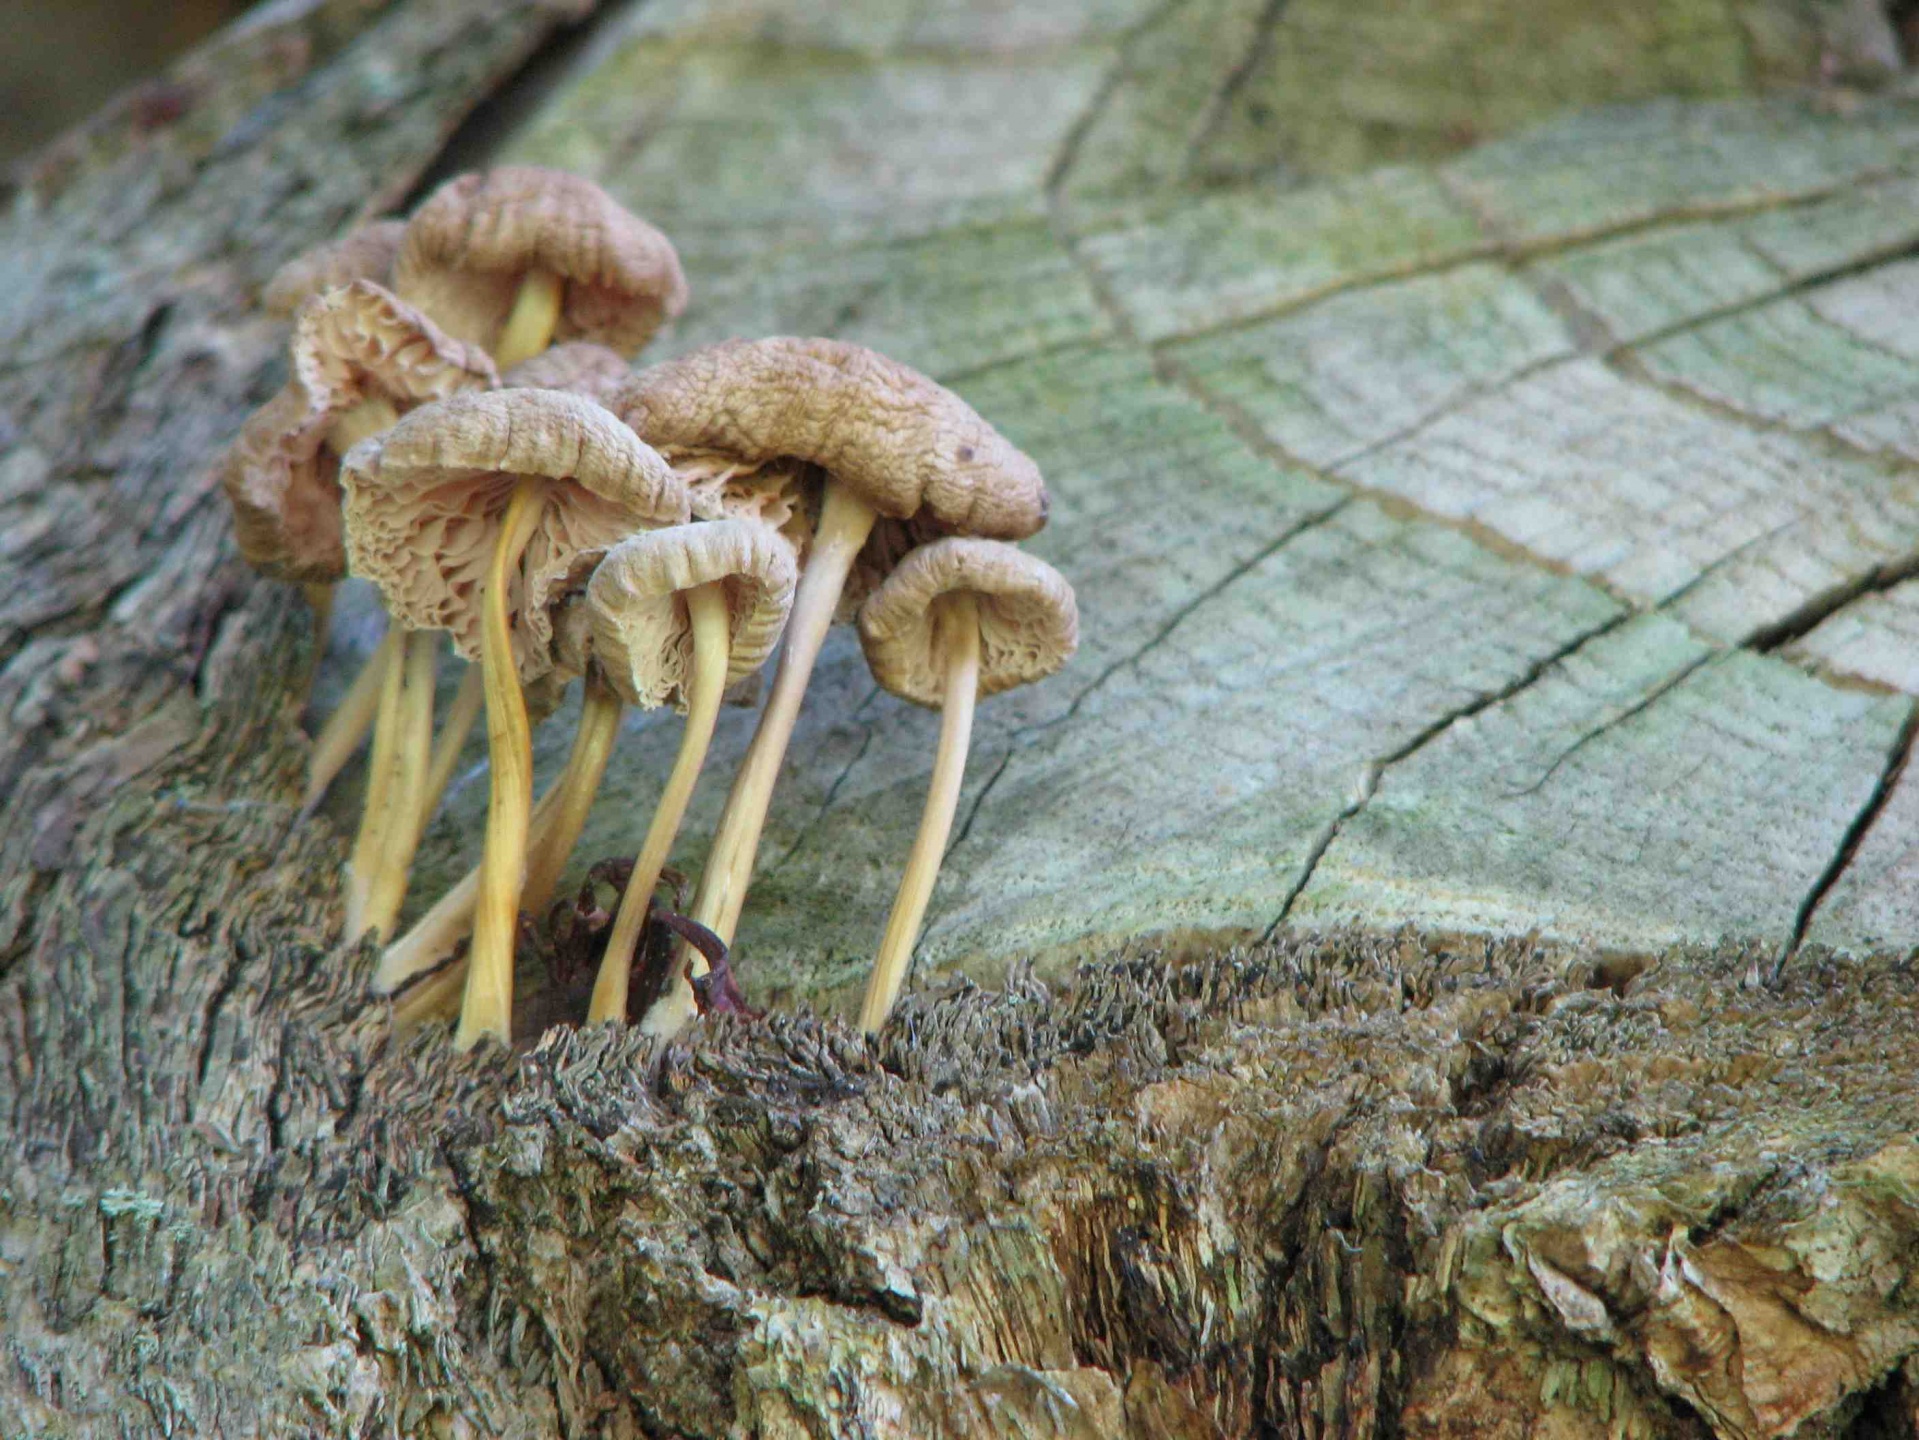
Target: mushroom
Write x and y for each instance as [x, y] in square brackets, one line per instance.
[363, 254]
[578, 365]
[890, 442]
[476, 516]
[957, 619]
[516, 257]
[360, 357]
[678, 615]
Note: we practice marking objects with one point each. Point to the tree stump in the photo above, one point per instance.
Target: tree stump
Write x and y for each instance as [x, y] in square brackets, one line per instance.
[1437, 964]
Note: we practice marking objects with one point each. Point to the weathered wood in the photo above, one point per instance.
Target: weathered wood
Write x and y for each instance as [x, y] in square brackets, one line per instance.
[1484, 516]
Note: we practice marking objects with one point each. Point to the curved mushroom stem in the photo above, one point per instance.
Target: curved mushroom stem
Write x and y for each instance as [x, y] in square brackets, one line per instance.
[712, 626]
[557, 822]
[345, 728]
[957, 622]
[369, 417]
[467, 704]
[488, 1005]
[400, 828]
[370, 840]
[845, 522]
[530, 324]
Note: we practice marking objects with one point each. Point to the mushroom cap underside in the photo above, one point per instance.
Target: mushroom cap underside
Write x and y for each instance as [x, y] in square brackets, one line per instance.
[1028, 619]
[910, 446]
[424, 504]
[470, 245]
[641, 631]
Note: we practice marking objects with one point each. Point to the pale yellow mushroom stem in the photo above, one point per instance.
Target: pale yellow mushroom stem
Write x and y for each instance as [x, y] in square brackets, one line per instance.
[487, 1008]
[845, 522]
[468, 701]
[557, 822]
[368, 843]
[712, 625]
[956, 628]
[370, 417]
[345, 728]
[435, 934]
[412, 746]
[530, 324]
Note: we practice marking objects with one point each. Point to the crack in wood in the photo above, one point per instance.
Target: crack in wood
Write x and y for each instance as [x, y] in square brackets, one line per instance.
[1898, 756]
[1373, 773]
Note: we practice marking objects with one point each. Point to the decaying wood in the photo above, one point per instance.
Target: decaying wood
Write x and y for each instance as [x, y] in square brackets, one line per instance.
[1488, 512]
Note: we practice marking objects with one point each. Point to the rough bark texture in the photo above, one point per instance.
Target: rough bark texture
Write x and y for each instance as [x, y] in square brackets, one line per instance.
[1489, 513]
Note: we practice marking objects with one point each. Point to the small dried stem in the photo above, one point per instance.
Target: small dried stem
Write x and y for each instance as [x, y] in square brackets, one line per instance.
[345, 728]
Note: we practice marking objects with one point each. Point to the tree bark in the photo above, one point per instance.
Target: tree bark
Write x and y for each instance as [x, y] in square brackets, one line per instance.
[1225, 1177]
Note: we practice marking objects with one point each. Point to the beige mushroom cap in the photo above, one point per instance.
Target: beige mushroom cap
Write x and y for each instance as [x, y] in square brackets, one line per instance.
[425, 500]
[352, 343]
[469, 246]
[360, 341]
[364, 254]
[580, 366]
[641, 632]
[1028, 619]
[908, 445]
[284, 486]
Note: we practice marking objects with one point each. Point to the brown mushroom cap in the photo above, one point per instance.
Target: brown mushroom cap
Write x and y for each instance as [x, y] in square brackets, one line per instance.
[580, 366]
[424, 502]
[360, 341]
[364, 254]
[911, 447]
[469, 246]
[353, 343]
[284, 486]
[641, 632]
[1028, 619]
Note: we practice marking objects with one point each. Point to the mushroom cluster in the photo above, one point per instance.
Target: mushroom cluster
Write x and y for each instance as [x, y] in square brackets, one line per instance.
[463, 428]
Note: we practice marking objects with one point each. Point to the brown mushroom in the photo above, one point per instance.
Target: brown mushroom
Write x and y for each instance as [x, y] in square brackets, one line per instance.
[678, 615]
[477, 516]
[360, 357]
[957, 619]
[363, 254]
[890, 442]
[516, 257]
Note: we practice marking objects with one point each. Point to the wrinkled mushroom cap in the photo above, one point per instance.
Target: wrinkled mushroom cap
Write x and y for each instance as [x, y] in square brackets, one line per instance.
[364, 254]
[1028, 620]
[360, 341]
[641, 632]
[284, 486]
[352, 343]
[469, 246]
[909, 446]
[580, 366]
[425, 500]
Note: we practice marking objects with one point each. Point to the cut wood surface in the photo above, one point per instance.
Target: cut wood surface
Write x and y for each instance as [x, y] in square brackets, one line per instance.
[1494, 509]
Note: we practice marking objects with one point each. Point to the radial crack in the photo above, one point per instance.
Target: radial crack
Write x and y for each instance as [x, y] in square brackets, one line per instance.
[1374, 770]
